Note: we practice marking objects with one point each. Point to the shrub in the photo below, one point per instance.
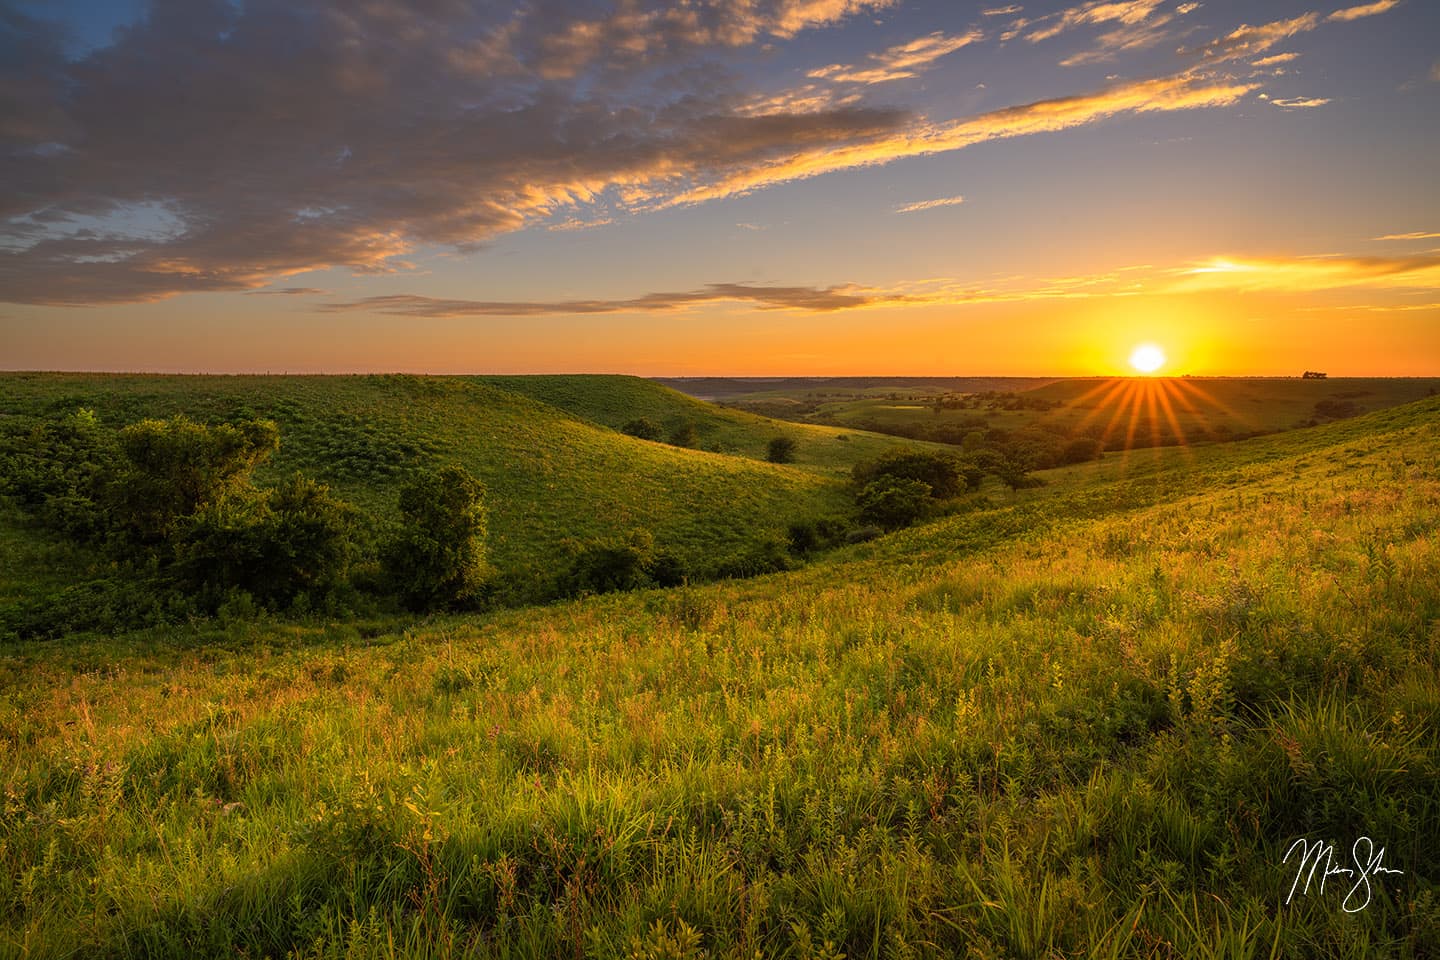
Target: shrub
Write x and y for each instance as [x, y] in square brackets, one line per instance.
[893, 502]
[1081, 450]
[768, 556]
[808, 536]
[59, 472]
[781, 450]
[172, 468]
[939, 472]
[644, 428]
[296, 539]
[684, 435]
[631, 563]
[438, 558]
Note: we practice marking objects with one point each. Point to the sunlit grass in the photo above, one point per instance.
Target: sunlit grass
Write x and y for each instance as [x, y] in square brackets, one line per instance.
[1084, 722]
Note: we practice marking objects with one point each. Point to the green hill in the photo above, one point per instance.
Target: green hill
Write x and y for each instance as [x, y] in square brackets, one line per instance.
[1086, 720]
[551, 474]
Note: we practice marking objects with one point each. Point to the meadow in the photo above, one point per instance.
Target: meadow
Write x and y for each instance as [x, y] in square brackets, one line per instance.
[1124, 413]
[1083, 719]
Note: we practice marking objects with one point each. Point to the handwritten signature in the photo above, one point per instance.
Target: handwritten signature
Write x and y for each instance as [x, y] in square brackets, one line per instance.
[1317, 859]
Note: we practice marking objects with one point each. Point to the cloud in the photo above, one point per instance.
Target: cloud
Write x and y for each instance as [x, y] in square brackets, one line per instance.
[1300, 103]
[814, 299]
[930, 204]
[1002, 11]
[1276, 60]
[1435, 72]
[288, 137]
[1304, 274]
[1247, 41]
[1185, 91]
[1408, 236]
[1127, 12]
[289, 292]
[898, 62]
[1365, 10]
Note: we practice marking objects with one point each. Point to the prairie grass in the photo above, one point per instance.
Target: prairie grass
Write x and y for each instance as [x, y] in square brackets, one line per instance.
[1086, 720]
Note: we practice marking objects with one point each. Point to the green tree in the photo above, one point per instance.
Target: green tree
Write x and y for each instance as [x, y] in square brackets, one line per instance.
[438, 558]
[894, 502]
[172, 468]
[938, 471]
[644, 428]
[781, 450]
[684, 435]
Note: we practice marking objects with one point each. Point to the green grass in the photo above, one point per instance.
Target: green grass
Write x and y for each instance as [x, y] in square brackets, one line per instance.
[1084, 720]
[1135, 412]
[545, 447]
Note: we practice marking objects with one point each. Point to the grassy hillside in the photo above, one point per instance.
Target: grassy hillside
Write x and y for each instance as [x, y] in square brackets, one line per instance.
[1087, 720]
[614, 401]
[552, 473]
[1127, 412]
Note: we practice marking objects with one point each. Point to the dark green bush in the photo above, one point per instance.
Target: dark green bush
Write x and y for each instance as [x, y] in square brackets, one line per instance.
[684, 435]
[438, 558]
[644, 428]
[938, 471]
[781, 450]
[894, 502]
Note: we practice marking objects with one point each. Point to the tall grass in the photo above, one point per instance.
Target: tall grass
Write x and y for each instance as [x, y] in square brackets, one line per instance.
[1085, 722]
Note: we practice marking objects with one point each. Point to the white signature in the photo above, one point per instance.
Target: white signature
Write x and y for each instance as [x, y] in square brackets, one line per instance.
[1318, 858]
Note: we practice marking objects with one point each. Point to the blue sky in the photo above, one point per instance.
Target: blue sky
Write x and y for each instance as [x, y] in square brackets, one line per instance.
[769, 186]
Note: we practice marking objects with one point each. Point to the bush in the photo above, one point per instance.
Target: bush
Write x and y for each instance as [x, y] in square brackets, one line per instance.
[1081, 450]
[296, 539]
[59, 473]
[644, 428]
[893, 502]
[172, 468]
[684, 435]
[632, 563]
[766, 557]
[809, 536]
[939, 472]
[781, 450]
[438, 558]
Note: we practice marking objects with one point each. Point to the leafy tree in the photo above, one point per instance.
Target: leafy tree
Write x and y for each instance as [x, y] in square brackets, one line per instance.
[939, 472]
[172, 468]
[644, 428]
[438, 558]
[684, 435]
[1081, 450]
[296, 538]
[782, 450]
[893, 502]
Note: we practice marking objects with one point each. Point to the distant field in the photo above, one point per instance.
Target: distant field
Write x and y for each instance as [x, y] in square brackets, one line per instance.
[1081, 720]
[545, 447]
[1125, 412]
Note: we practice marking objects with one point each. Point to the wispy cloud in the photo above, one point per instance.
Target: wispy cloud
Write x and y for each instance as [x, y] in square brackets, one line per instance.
[814, 299]
[1408, 236]
[1187, 91]
[930, 204]
[1276, 60]
[898, 62]
[1127, 12]
[290, 292]
[1312, 273]
[1299, 103]
[1005, 11]
[1365, 10]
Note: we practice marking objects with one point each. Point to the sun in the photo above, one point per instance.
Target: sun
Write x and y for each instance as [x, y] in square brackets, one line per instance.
[1147, 358]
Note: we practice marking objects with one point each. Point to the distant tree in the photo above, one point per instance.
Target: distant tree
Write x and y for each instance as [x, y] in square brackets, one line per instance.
[782, 450]
[628, 563]
[438, 558]
[684, 435]
[892, 502]
[938, 471]
[644, 428]
[1081, 450]
[172, 468]
[1313, 375]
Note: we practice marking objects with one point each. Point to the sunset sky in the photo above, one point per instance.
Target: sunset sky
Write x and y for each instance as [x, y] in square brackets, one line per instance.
[725, 187]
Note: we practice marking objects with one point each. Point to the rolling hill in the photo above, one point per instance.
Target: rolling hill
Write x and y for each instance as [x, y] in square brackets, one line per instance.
[1085, 720]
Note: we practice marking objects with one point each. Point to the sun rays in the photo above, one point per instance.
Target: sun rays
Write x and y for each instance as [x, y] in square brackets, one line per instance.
[1155, 412]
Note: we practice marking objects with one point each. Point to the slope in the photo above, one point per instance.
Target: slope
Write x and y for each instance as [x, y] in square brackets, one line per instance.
[1095, 734]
